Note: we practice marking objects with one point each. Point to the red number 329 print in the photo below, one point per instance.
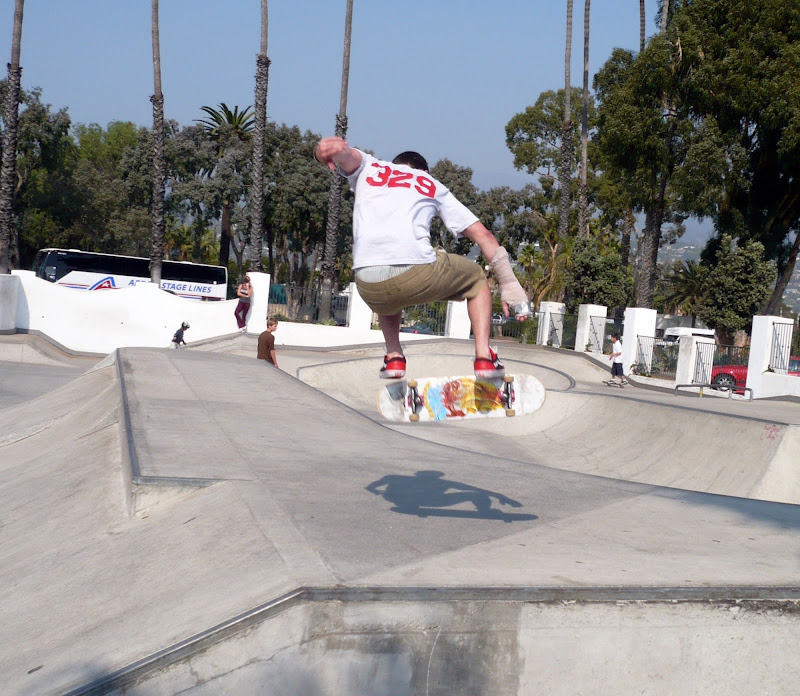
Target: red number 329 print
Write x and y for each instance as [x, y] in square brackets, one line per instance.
[393, 178]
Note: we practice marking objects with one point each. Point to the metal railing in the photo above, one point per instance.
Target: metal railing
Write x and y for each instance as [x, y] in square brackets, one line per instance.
[781, 345]
[597, 333]
[656, 357]
[704, 362]
[611, 326]
[302, 304]
[563, 330]
[524, 331]
[716, 387]
[430, 318]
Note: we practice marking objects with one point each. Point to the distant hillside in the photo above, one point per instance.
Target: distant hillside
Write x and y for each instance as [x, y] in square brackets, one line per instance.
[684, 252]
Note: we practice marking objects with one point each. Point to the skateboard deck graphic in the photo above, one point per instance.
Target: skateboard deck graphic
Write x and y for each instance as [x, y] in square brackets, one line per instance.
[452, 398]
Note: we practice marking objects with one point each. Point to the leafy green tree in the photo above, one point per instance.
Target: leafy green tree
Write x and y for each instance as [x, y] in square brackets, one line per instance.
[44, 198]
[740, 61]
[296, 205]
[231, 131]
[643, 130]
[736, 287]
[192, 158]
[596, 277]
[515, 216]
[459, 180]
[112, 199]
[535, 136]
[9, 144]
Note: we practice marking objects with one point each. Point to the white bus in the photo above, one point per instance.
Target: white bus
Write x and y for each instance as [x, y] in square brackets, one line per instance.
[86, 270]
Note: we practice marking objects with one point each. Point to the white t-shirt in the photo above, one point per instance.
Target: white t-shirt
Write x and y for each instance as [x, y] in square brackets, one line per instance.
[393, 210]
[617, 348]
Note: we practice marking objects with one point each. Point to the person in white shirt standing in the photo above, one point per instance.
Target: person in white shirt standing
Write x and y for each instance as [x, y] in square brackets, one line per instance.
[616, 359]
[393, 259]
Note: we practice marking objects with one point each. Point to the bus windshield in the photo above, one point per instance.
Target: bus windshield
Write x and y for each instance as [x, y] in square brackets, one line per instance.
[85, 270]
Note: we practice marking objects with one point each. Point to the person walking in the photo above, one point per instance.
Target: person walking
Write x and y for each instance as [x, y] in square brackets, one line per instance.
[394, 262]
[266, 343]
[244, 292]
[616, 359]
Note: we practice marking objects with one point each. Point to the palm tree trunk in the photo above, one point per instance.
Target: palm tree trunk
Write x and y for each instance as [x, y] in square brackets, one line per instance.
[583, 189]
[159, 167]
[257, 187]
[664, 15]
[642, 26]
[566, 135]
[335, 196]
[226, 232]
[8, 168]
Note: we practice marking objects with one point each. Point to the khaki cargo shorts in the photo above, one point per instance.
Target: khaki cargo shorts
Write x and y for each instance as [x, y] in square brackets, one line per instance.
[450, 277]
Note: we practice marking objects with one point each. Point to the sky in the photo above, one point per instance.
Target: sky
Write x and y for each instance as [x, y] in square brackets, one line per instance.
[442, 77]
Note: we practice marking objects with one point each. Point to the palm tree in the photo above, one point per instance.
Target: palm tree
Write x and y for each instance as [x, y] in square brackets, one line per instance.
[159, 165]
[222, 119]
[566, 135]
[9, 163]
[664, 15]
[335, 198]
[686, 288]
[221, 124]
[583, 190]
[259, 148]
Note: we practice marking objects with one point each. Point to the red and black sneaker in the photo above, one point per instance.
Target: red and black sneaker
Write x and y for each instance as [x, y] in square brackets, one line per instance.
[489, 368]
[393, 368]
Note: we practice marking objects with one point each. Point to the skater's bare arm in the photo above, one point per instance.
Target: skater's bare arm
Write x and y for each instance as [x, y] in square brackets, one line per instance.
[335, 151]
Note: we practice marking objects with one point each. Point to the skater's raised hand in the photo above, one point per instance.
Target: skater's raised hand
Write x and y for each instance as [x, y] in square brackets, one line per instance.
[334, 151]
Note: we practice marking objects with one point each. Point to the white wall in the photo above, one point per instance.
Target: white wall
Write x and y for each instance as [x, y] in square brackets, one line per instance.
[9, 298]
[145, 315]
[583, 333]
[639, 321]
[765, 384]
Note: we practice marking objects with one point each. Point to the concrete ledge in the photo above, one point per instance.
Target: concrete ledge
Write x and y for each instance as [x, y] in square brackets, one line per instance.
[494, 617]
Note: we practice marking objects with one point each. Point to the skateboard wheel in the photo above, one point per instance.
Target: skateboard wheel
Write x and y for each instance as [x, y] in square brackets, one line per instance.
[412, 384]
[508, 379]
[413, 417]
[510, 412]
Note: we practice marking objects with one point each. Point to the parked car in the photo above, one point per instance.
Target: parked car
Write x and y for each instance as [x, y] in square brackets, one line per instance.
[736, 375]
[418, 328]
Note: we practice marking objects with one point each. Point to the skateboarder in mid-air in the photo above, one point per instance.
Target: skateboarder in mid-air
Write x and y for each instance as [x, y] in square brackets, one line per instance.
[394, 262]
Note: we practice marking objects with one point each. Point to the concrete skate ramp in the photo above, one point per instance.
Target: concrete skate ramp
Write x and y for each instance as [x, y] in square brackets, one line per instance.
[309, 547]
[613, 434]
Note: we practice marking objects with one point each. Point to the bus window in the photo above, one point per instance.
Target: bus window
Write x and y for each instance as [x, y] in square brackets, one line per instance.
[94, 271]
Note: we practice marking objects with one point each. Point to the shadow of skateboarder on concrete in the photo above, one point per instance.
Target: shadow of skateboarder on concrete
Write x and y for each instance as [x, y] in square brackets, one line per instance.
[427, 494]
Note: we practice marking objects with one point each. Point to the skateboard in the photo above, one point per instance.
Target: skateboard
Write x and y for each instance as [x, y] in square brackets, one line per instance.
[610, 383]
[452, 398]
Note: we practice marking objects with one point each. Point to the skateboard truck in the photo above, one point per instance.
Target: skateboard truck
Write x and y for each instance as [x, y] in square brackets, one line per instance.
[508, 394]
[415, 401]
